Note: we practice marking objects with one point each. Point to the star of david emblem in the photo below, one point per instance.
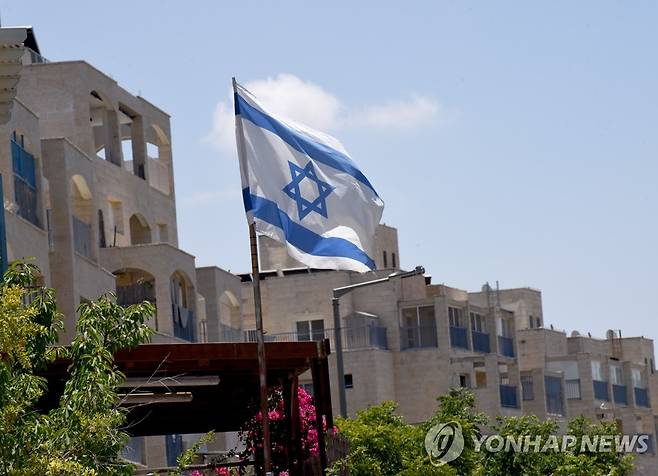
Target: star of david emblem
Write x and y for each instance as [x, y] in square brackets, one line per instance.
[304, 206]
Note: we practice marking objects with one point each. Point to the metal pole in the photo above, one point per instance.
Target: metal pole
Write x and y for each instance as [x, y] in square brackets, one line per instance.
[255, 273]
[340, 370]
[262, 363]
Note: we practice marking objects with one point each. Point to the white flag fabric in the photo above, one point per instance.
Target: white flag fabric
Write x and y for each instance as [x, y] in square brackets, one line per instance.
[300, 187]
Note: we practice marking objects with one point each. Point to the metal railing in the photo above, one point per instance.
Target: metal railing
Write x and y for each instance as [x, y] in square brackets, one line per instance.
[134, 450]
[353, 338]
[81, 237]
[26, 200]
[458, 337]
[183, 323]
[508, 396]
[641, 397]
[506, 346]
[135, 294]
[481, 342]
[572, 389]
[601, 390]
[415, 337]
[619, 394]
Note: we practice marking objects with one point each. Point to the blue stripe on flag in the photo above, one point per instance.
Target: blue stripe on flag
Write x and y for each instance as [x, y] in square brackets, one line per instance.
[317, 151]
[302, 238]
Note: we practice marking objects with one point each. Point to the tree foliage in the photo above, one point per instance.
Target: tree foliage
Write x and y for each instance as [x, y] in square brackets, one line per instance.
[382, 444]
[82, 435]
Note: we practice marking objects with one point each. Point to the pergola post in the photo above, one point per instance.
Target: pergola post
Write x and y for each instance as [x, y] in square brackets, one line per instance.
[319, 403]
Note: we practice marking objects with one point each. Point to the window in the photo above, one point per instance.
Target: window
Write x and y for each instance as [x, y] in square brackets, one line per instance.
[478, 323]
[385, 260]
[503, 327]
[617, 375]
[537, 322]
[101, 230]
[652, 367]
[308, 388]
[597, 372]
[637, 378]
[310, 330]
[531, 322]
[456, 317]
[25, 180]
[418, 327]
[394, 260]
[527, 387]
[465, 380]
[349, 381]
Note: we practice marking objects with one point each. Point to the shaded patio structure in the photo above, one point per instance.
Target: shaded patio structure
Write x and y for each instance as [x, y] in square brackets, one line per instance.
[213, 386]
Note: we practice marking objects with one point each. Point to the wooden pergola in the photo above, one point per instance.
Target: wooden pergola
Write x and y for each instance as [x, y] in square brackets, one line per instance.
[196, 388]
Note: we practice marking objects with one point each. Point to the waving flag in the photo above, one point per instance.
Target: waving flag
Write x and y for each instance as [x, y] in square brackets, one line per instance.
[300, 187]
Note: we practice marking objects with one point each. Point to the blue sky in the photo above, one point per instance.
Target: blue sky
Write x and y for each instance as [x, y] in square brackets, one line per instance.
[511, 141]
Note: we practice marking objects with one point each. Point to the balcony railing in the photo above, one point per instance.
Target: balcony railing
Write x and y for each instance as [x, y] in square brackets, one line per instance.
[601, 390]
[81, 237]
[135, 294]
[641, 397]
[26, 200]
[415, 337]
[506, 346]
[572, 389]
[481, 342]
[184, 323]
[352, 338]
[134, 450]
[458, 337]
[508, 397]
[619, 394]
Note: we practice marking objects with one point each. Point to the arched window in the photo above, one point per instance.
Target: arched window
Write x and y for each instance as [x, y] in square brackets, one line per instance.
[181, 306]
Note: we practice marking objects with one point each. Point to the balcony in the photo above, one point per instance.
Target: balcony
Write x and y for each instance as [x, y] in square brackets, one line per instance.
[81, 237]
[184, 323]
[506, 346]
[481, 342]
[508, 397]
[642, 397]
[619, 394]
[416, 337]
[572, 389]
[458, 337]
[601, 390]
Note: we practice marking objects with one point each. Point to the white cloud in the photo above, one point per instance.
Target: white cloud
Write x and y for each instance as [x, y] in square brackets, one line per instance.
[309, 104]
[398, 114]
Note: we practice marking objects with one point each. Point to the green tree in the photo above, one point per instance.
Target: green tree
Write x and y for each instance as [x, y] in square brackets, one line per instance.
[82, 435]
[382, 444]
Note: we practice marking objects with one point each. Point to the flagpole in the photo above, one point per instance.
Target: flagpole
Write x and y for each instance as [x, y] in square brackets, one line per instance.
[255, 273]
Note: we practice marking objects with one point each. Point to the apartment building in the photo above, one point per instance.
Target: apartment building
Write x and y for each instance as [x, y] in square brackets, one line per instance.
[89, 197]
[405, 340]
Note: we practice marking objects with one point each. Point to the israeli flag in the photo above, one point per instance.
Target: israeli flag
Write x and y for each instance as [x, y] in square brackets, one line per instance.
[300, 187]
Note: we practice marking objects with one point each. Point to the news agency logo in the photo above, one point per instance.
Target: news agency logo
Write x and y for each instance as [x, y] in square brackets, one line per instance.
[444, 443]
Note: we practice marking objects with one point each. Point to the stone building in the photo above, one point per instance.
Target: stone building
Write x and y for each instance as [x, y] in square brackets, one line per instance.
[89, 197]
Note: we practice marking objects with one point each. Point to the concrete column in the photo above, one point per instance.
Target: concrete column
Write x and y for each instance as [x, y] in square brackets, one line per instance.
[113, 137]
[137, 136]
